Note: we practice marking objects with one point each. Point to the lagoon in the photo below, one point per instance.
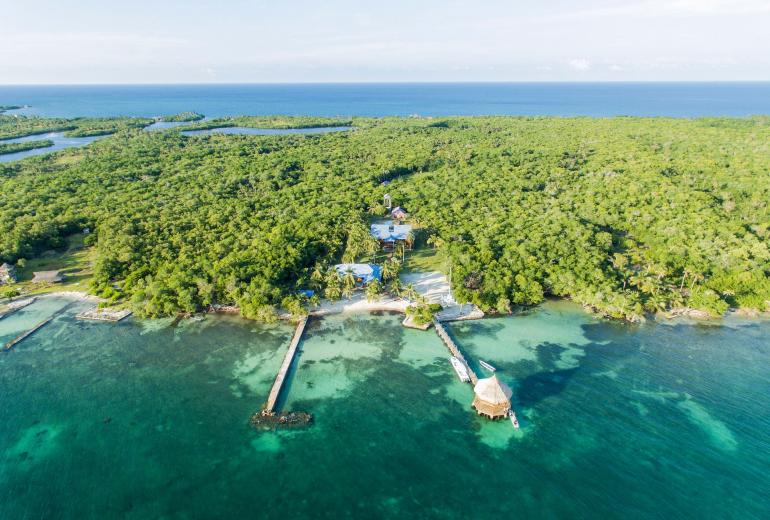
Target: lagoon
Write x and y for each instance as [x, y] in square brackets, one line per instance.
[143, 419]
[239, 130]
[60, 142]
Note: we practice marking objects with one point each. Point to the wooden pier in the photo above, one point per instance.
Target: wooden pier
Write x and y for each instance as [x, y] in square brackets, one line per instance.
[24, 335]
[449, 342]
[269, 408]
[16, 306]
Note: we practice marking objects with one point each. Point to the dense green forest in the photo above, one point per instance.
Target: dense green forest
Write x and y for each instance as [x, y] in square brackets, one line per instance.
[183, 117]
[11, 127]
[284, 122]
[624, 215]
[23, 147]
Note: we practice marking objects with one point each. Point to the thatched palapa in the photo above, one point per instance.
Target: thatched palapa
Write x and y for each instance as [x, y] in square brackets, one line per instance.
[493, 398]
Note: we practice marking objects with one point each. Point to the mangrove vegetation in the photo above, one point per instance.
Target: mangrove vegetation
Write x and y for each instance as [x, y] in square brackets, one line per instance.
[627, 216]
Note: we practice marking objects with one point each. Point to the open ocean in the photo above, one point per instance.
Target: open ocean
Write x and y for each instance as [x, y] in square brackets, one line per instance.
[398, 99]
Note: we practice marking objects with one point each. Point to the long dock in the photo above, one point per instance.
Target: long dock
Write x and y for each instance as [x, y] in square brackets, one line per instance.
[269, 408]
[452, 346]
[24, 335]
[16, 306]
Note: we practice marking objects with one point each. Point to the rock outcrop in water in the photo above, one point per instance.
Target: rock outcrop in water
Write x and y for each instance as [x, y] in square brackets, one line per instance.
[273, 421]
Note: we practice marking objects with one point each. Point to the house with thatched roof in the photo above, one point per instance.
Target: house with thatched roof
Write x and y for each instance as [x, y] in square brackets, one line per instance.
[47, 277]
[7, 273]
[493, 398]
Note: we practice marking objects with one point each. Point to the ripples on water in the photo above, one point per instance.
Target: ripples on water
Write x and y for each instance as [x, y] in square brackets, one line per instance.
[142, 419]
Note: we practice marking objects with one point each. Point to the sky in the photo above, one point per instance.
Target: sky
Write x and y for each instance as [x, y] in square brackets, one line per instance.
[255, 41]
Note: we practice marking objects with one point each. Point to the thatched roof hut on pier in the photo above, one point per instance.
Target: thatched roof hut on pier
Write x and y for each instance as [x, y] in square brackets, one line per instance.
[493, 398]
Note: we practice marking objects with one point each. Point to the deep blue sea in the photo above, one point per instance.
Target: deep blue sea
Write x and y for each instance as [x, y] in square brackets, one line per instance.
[425, 99]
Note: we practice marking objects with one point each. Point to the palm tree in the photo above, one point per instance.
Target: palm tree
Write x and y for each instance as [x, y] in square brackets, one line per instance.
[410, 292]
[655, 302]
[396, 288]
[317, 277]
[333, 289]
[376, 209]
[348, 283]
[332, 277]
[373, 290]
[435, 241]
[390, 269]
[400, 251]
[332, 292]
[695, 278]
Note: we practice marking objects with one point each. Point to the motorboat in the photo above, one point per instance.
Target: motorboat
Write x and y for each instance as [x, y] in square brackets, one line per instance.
[514, 420]
[462, 371]
[486, 365]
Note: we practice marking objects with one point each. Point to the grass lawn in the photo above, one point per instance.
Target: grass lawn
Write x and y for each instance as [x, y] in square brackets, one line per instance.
[75, 262]
[422, 258]
[425, 259]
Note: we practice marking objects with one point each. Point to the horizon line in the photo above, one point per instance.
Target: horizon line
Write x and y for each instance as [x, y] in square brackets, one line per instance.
[417, 82]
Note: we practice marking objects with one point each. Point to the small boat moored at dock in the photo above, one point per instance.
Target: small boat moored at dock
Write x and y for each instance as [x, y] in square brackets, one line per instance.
[514, 420]
[487, 366]
[462, 371]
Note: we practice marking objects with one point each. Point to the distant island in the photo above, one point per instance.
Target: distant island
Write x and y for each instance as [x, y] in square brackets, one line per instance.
[627, 216]
[7, 108]
[182, 117]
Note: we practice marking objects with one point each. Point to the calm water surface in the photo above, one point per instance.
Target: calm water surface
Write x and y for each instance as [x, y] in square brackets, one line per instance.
[238, 130]
[397, 99]
[60, 142]
[143, 420]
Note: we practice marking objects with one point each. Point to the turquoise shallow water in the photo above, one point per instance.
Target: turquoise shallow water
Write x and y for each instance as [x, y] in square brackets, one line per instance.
[143, 420]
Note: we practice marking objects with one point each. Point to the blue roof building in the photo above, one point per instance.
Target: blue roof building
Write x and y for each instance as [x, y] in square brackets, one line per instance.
[390, 232]
[364, 273]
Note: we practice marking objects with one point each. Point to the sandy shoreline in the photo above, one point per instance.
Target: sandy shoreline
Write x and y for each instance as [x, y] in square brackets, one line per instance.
[358, 304]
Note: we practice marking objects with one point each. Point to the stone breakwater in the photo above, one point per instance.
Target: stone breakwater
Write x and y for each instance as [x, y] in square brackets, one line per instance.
[273, 421]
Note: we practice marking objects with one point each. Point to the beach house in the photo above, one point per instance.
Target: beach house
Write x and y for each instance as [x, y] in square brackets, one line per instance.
[363, 273]
[391, 234]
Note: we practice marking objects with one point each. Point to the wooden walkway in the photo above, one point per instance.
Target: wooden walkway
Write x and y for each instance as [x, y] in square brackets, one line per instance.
[24, 335]
[269, 408]
[16, 306]
[452, 346]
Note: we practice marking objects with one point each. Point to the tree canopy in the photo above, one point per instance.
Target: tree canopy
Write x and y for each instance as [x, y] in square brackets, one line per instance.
[624, 215]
